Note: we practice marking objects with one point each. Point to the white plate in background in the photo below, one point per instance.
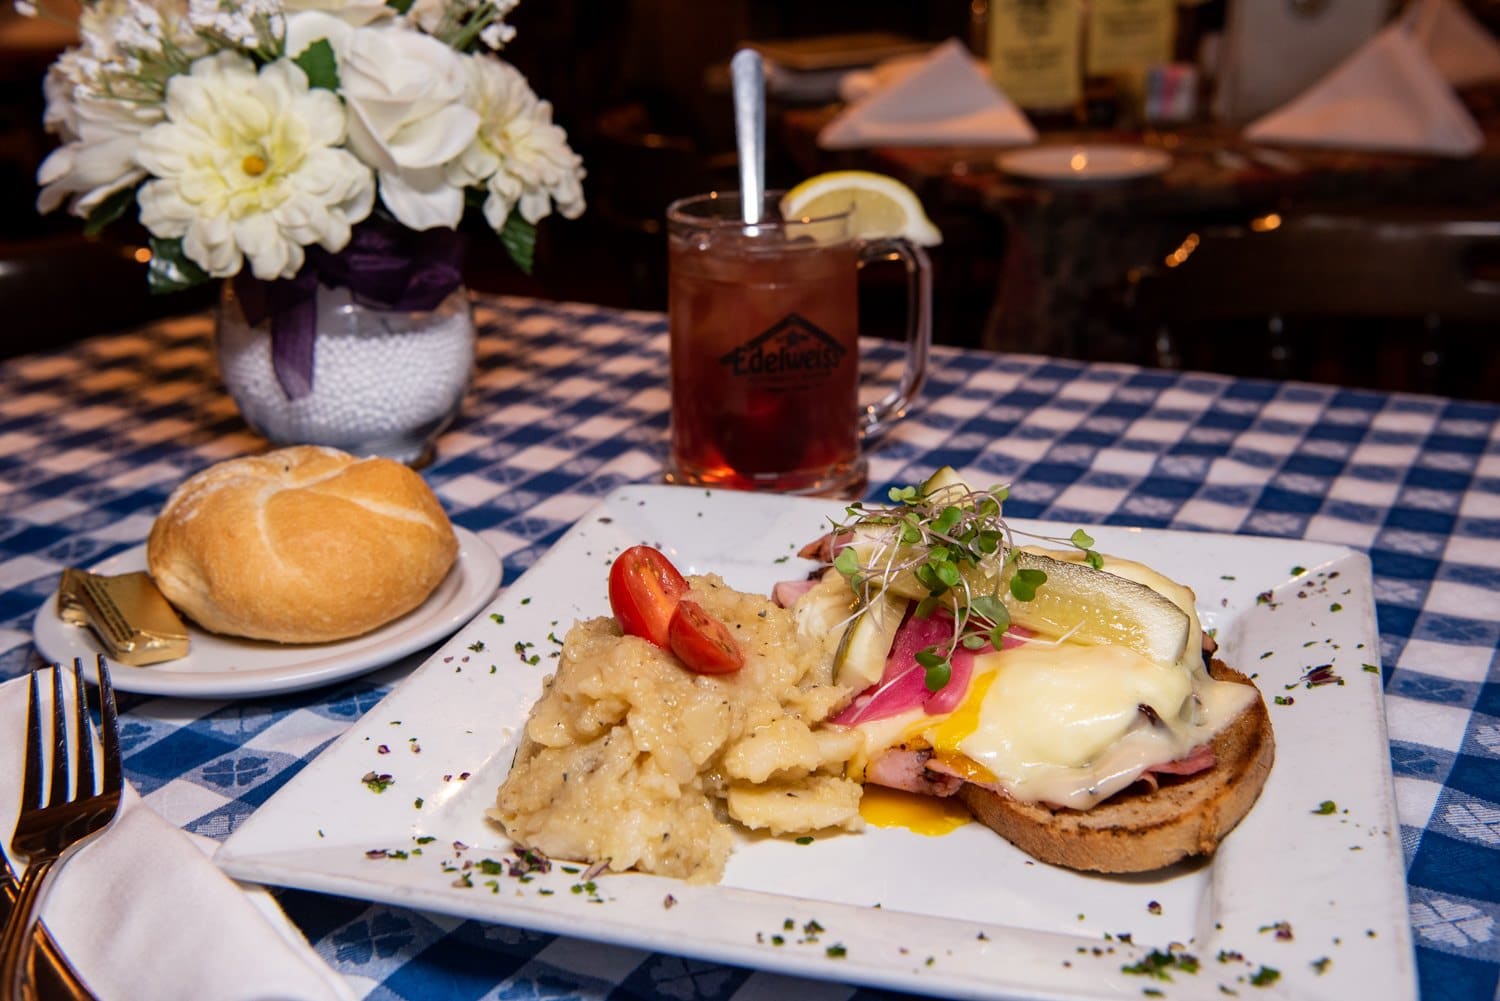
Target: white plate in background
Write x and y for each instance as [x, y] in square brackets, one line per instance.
[1085, 163]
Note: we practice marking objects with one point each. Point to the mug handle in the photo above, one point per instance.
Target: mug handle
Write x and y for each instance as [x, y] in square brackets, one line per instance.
[880, 416]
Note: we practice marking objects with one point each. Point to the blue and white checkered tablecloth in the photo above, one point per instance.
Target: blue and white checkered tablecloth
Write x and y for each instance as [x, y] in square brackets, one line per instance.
[571, 402]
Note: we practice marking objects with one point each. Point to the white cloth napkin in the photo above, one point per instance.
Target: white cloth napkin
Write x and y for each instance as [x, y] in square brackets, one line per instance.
[142, 912]
[944, 100]
[1386, 97]
[1459, 46]
[858, 84]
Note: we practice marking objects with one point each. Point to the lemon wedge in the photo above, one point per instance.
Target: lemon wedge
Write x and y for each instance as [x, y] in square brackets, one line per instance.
[1094, 606]
[883, 206]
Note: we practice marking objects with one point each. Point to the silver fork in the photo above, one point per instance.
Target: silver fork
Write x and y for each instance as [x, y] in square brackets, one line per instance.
[50, 971]
[68, 815]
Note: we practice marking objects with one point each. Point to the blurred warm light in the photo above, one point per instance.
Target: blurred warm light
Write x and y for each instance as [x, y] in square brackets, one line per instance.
[142, 255]
[1079, 161]
[1265, 223]
[1184, 250]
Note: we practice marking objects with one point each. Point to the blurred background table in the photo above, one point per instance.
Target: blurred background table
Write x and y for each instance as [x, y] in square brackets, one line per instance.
[1364, 268]
[1079, 273]
[570, 402]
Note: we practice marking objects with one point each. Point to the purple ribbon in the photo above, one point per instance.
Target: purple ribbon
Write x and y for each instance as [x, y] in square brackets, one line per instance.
[384, 266]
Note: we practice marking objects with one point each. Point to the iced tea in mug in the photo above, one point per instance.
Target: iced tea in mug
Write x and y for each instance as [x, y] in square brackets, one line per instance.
[764, 324]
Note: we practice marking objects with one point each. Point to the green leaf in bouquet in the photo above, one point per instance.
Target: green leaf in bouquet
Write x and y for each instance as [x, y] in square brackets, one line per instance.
[519, 239]
[109, 210]
[399, 6]
[171, 270]
[318, 63]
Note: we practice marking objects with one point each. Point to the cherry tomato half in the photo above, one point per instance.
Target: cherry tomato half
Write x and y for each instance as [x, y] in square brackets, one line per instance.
[644, 588]
[702, 642]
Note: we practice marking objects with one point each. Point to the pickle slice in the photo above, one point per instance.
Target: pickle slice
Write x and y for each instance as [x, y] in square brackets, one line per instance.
[862, 653]
[945, 485]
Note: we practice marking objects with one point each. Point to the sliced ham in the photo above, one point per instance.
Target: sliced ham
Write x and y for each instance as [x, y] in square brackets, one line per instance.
[786, 592]
[825, 547]
[921, 772]
[1199, 759]
[903, 768]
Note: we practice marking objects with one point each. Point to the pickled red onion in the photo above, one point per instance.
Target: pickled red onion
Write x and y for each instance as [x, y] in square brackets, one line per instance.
[947, 698]
[903, 685]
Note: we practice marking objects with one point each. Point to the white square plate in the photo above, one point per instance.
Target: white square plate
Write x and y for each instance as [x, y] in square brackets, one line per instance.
[1314, 892]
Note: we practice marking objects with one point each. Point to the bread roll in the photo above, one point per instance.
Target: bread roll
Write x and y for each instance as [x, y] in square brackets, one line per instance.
[300, 545]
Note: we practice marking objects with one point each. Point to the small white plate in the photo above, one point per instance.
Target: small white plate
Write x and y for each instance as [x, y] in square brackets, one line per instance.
[966, 914]
[1085, 163]
[227, 667]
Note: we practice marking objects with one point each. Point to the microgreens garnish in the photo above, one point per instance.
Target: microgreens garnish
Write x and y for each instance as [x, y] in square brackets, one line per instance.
[938, 669]
[958, 550]
[1084, 541]
[1025, 582]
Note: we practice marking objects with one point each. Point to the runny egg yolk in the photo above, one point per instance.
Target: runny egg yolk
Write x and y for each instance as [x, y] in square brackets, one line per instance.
[962, 722]
[930, 815]
[934, 815]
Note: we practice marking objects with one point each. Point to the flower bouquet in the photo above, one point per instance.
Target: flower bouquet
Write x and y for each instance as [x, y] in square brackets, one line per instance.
[248, 132]
[296, 146]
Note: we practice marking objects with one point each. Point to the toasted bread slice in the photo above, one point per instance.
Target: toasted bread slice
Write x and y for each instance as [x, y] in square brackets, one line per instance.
[1139, 830]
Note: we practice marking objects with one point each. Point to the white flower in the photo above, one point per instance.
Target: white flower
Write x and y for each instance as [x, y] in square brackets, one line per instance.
[246, 166]
[428, 14]
[450, 19]
[522, 158]
[98, 106]
[497, 34]
[61, 86]
[247, 24]
[308, 26]
[180, 104]
[97, 157]
[356, 13]
[407, 119]
[127, 50]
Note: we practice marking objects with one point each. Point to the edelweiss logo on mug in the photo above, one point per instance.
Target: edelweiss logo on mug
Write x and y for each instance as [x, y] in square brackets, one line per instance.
[790, 350]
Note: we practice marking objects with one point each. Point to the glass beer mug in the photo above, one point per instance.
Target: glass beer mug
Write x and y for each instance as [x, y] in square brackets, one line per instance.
[764, 331]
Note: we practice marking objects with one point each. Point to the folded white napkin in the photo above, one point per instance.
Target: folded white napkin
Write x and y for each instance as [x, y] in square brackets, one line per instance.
[1386, 97]
[142, 912]
[945, 100]
[858, 84]
[1458, 45]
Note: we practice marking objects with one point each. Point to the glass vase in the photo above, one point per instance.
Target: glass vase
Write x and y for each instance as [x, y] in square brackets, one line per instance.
[381, 381]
